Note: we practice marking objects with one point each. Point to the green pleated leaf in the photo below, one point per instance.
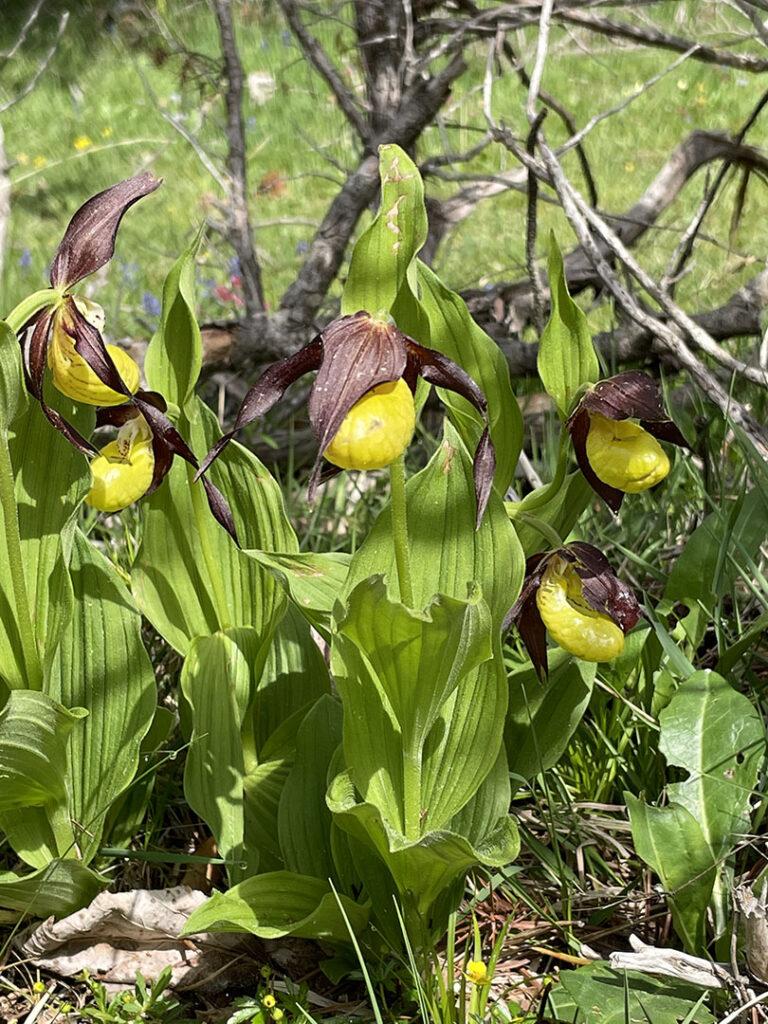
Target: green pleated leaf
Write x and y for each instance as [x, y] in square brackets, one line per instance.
[383, 253]
[304, 821]
[33, 763]
[453, 332]
[542, 717]
[427, 867]
[217, 683]
[263, 787]
[279, 903]
[175, 353]
[567, 358]
[293, 676]
[561, 513]
[313, 580]
[101, 665]
[718, 737]
[395, 669]
[13, 394]
[670, 840]
[189, 578]
[59, 888]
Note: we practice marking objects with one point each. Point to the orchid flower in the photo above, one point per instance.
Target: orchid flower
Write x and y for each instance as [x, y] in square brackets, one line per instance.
[361, 403]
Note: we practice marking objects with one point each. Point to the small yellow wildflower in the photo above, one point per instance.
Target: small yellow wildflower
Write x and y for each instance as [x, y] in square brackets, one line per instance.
[22, 158]
[629, 167]
[106, 132]
[39, 161]
[477, 972]
[682, 84]
[38, 987]
[82, 142]
[277, 1014]
[269, 1001]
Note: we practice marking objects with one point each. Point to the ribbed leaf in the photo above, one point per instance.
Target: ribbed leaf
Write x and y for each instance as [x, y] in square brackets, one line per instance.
[304, 821]
[453, 332]
[189, 578]
[384, 252]
[567, 357]
[217, 683]
[279, 903]
[313, 580]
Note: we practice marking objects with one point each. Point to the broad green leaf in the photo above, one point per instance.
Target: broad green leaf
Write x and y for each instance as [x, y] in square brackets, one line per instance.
[567, 358]
[395, 669]
[426, 867]
[59, 888]
[542, 717]
[304, 821]
[189, 578]
[597, 994]
[175, 354]
[276, 904]
[715, 556]
[453, 332]
[263, 787]
[314, 581]
[293, 676]
[717, 735]
[216, 681]
[447, 553]
[101, 665]
[670, 841]
[383, 253]
[13, 393]
[33, 771]
[33, 763]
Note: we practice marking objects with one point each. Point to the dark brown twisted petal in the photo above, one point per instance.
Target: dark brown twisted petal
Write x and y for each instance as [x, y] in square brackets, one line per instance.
[89, 241]
[90, 345]
[578, 425]
[601, 587]
[483, 470]
[267, 391]
[524, 614]
[34, 350]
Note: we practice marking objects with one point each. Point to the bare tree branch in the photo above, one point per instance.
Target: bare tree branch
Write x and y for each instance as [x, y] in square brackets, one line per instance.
[30, 85]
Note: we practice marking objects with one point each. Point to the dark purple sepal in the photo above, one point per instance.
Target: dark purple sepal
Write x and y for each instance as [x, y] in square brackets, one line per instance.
[634, 395]
[359, 353]
[524, 615]
[578, 425]
[89, 241]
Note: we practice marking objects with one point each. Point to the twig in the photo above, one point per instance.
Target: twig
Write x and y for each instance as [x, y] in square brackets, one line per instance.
[41, 66]
[530, 232]
[239, 219]
[20, 39]
[672, 963]
[542, 45]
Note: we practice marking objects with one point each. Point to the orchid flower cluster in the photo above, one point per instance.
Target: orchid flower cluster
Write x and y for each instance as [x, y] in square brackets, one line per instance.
[361, 408]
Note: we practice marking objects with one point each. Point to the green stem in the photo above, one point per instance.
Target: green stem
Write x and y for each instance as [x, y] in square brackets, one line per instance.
[33, 304]
[541, 496]
[30, 660]
[546, 531]
[400, 530]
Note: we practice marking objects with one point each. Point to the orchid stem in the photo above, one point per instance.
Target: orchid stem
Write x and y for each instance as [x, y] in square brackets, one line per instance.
[546, 531]
[10, 515]
[28, 307]
[541, 496]
[400, 530]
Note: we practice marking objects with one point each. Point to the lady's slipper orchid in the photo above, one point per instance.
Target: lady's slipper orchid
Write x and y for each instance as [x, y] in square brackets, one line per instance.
[65, 335]
[358, 423]
[573, 594]
[616, 455]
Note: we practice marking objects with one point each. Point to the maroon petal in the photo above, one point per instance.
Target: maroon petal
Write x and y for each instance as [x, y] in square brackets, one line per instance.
[483, 470]
[578, 425]
[89, 241]
[524, 614]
